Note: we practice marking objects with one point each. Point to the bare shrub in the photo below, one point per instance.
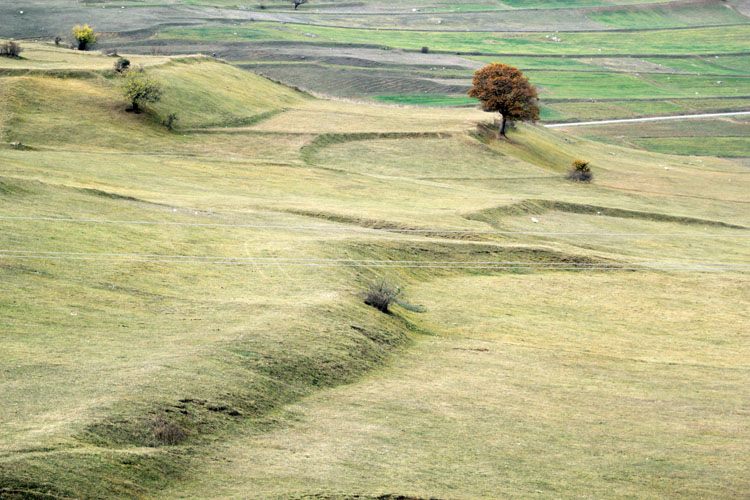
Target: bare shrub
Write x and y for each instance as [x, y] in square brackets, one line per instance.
[381, 295]
[580, 172]
[170, 121]
[10, 49]
[165, 432]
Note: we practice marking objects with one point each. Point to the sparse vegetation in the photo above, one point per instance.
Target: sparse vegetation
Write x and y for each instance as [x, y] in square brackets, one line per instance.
[122, 65]
[10, 49]
[166, 432]
[170, 121]
[140, 89]
[183, 315]
[381, 295]
[504, 89]
[580, 172]
[84, 35]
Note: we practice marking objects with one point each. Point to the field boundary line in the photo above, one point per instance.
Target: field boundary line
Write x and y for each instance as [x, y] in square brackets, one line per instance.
[334, 228]
[648, 119]
[396, 265]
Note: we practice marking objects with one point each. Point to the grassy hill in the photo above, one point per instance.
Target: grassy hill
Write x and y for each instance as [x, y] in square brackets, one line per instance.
[590, 60]
[182, 312]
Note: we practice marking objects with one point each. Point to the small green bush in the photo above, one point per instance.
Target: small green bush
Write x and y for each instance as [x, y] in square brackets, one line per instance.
[580, 172]
[140, 89]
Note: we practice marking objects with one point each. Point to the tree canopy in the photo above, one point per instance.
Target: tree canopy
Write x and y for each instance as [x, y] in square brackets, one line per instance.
[140, 89]
[506, 90]
[84, 35]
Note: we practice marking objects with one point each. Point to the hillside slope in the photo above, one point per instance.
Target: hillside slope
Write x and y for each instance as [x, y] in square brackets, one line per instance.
[166, 296]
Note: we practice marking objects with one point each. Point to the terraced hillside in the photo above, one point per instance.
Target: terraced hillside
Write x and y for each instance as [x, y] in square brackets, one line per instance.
[591, 60]
[182, 313]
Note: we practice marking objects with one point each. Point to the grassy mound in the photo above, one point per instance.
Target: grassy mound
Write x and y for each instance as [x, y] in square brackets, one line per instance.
[204, 93]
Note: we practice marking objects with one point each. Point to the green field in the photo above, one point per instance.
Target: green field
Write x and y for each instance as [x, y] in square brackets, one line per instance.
[725, 137]
[182, 311]
[639, 55]
[427, 100]
[689, 41]
[645, 72]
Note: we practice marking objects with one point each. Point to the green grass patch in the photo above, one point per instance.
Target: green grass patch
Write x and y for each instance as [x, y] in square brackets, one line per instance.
[706, 146]
[671, 16]
[238, 99]
[427, 100]
[689, 41]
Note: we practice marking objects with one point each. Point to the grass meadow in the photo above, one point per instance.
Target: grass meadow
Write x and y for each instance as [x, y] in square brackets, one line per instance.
[632, 59]
[691, 60]
[182, 310]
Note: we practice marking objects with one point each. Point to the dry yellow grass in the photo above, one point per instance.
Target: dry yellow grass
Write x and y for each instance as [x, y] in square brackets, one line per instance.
[611, 385]
[152, 273]
[46, 57]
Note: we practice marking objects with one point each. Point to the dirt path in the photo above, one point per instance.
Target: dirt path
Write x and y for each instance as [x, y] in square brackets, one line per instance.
[648, 119]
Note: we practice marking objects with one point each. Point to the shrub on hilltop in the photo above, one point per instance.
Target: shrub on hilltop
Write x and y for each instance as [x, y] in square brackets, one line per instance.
[84, 35]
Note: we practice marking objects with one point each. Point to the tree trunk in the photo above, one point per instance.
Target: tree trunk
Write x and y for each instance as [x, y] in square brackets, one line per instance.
[502, 126]
[81, 45]
[136, 109]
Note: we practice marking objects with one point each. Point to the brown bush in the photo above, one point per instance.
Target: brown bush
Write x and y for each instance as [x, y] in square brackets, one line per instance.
[165, 432]
[10, 49]
[580, 172]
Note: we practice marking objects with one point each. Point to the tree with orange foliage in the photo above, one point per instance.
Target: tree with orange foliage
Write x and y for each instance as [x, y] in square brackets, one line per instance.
[504, 89]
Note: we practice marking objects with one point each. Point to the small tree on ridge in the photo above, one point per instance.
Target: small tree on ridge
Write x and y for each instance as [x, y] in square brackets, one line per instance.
[504, 89]
[140, 89]
[84, 35]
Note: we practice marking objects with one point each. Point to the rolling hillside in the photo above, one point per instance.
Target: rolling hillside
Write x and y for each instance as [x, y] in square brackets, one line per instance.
[182, 312]
[591, 60]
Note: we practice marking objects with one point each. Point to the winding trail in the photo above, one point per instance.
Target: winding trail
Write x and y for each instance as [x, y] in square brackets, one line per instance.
[647, 119]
